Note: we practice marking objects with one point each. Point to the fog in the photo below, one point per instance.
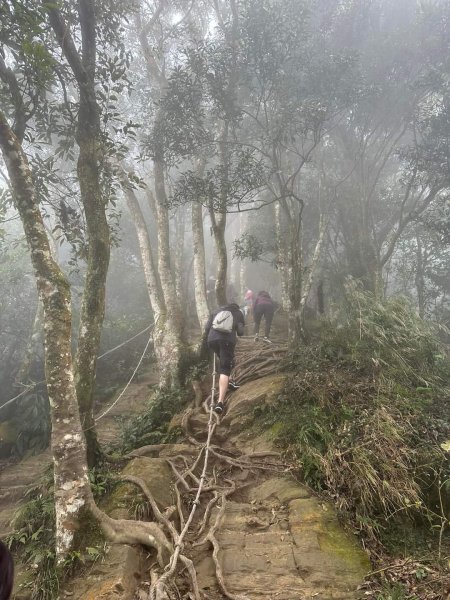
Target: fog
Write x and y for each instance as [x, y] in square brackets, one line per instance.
[309, 140]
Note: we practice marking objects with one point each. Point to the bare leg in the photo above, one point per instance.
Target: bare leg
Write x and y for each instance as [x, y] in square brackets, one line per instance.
[223, 386]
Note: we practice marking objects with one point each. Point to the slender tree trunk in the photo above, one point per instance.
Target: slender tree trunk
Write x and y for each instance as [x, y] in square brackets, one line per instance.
[311, 271]
[242, 281]
[90, 161]
[67, 441]
[172, 333]
[219, 220]
[198, 242]
[151, 276]
[219, 225]
[180, 230]
[295, 277]
[282, 256]
[93, 301]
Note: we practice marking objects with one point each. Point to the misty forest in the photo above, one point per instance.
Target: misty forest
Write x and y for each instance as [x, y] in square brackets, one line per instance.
[162, 163]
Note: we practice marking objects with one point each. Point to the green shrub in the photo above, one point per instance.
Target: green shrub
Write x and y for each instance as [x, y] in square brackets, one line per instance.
[151, 427]
[364, 415]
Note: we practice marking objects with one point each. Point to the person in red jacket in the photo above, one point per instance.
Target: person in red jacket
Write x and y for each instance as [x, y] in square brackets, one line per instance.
[6, 572]
[248, 301]
[263, 306]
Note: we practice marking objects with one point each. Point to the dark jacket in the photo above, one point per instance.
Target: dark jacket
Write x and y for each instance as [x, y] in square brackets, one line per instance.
[238, 325]
[263, 298]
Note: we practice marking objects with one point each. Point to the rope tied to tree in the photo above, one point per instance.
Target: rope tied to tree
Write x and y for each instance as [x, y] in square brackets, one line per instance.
[157, 588]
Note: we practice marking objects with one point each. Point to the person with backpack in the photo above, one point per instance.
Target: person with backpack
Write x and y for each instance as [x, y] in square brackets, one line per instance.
[6, 572]
[263, 306]
[220, 331]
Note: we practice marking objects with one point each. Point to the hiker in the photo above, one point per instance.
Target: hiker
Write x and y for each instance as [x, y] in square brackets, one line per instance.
[6, 572]
[221, 329]
[248, 301]
[263, 306]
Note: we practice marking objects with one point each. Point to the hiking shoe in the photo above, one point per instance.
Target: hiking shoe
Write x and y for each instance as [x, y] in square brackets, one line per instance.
[218, 408]
[266, 339]
[232, 385]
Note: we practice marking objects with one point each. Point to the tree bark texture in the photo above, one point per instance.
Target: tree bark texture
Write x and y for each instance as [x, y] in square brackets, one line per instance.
[90, 160]
[170, 329]
[180, 230]
[67, 441]
[219, 220]
[151, 275]
[282, 256]
[198, 242]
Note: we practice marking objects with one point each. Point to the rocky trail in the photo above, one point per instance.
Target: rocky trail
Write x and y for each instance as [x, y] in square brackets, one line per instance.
[256, 532]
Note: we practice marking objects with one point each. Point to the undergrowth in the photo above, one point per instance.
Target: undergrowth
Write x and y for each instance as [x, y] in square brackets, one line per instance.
[152, 427]
[365, 414]
[33, 540]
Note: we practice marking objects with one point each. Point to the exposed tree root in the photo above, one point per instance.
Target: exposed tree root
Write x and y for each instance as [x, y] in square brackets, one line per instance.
[123, 531]
[192, 489]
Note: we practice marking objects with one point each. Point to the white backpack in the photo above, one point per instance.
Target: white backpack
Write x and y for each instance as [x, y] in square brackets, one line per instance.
[223, 321]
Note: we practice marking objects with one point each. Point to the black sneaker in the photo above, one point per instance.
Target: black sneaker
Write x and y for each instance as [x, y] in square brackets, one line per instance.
[218, 408]
[232, 385]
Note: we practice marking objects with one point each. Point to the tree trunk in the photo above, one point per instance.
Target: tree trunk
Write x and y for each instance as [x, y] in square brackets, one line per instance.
[93, 302]
[311, 271]
[171, 328]
[198, 242]
[151, 276]
[67, 441]
[242, 281]
[180, 230]
[282, 256]
[294, 272]
[219, 225]
[90, 159]
[219, 220]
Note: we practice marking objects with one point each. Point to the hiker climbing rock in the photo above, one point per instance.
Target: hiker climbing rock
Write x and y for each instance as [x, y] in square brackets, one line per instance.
[263, 306]
[221, 329]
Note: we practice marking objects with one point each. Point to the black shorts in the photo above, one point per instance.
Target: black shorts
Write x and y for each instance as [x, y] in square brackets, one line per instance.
[225, 352]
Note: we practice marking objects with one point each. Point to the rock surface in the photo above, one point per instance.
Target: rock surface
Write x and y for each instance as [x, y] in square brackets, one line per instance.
[278, 541]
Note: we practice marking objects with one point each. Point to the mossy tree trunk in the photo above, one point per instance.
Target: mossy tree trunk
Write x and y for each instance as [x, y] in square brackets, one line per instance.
[170, 329]
[198, 242]
[90, 160]
[67, 441]
[151, 275]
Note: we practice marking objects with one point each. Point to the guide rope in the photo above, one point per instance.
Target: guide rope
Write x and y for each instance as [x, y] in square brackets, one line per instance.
[127, 385]
[34, 385]
[172, 564]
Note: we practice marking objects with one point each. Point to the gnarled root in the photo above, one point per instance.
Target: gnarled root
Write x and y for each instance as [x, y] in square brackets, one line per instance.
[123, 531]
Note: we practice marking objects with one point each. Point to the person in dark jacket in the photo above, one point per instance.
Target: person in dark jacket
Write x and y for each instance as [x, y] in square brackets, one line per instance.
[263, 306]
[6, 572]
[223, 344]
